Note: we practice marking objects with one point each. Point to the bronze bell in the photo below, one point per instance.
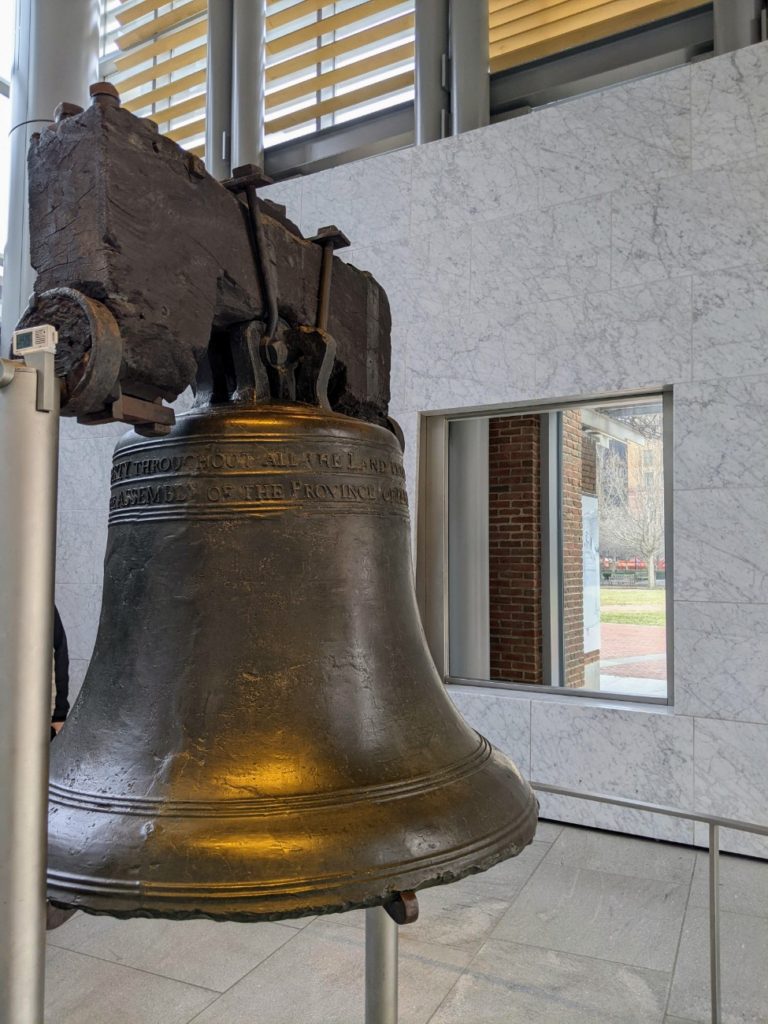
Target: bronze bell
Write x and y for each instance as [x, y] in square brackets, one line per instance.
[262, 732]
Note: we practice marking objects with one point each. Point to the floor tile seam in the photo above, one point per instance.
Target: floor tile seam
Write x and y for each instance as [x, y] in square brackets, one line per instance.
[220, 995]
[615, 874]
[679, 940]
[581, 956]
[139, 970]
[291, 932]
[731, 913]
[459, 976]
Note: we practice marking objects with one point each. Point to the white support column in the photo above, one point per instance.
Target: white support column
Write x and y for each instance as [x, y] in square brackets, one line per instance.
[56, 58]
[470, 79]
[738, 23]
[469, 632]
[218, 104]
[249, 21]
[432, 101]
[29, 426]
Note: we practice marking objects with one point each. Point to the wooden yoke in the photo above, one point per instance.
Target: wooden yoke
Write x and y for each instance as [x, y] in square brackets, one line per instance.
[149, 269]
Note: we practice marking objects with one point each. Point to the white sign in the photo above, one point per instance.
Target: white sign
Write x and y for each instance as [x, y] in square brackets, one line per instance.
[591, 571]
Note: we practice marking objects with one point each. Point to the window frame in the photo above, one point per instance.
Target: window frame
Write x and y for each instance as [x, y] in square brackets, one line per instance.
[432, 517]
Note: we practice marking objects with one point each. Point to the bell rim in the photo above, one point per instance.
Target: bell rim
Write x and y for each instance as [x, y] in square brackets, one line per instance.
[231, 901]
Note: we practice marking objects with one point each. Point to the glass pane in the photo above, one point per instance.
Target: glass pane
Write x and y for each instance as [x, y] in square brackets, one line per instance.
[623, 563]
[556, 554]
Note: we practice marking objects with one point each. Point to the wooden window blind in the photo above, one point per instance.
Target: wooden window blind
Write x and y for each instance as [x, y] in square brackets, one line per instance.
[526, 30]
[331, 62]
[160, 64]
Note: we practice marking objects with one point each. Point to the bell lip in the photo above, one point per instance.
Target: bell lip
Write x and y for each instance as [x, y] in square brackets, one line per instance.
[276, 420]
[135, 899]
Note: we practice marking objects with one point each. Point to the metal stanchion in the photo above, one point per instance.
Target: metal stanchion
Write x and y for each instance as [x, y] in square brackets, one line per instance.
[29, 431]
[381, 941]
[714, 922]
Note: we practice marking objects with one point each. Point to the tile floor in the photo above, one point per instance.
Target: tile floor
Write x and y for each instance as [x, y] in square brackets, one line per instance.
[583, 928]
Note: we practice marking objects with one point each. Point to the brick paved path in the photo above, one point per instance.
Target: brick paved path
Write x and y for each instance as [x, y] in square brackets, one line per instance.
[635, 651]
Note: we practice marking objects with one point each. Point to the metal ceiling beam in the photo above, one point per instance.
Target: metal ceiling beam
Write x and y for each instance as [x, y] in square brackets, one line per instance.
[657, 47]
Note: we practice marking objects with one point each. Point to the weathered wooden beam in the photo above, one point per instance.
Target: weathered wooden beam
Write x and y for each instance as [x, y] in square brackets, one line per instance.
[123, 215]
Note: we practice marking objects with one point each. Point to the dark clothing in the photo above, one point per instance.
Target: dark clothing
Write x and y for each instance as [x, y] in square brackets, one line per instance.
[60, 669]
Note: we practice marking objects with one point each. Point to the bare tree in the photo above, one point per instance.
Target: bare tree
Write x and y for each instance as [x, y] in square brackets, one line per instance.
[632, 508]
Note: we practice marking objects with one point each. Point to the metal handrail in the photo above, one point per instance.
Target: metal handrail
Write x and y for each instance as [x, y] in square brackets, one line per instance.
[715, 823]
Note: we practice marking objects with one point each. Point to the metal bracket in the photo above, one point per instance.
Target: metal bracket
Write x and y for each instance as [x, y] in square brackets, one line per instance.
[403, 908]
[330, 239]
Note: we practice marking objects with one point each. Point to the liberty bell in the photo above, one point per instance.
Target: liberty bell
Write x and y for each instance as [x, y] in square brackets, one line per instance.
[262, 732]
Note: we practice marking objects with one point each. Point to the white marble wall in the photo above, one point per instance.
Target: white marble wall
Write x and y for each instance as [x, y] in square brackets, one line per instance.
[613, 242]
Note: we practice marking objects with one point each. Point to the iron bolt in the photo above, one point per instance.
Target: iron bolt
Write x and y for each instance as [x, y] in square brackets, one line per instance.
[64, 110]
[104, 92]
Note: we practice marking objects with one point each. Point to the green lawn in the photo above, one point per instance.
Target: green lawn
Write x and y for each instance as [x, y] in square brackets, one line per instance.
[634, 606]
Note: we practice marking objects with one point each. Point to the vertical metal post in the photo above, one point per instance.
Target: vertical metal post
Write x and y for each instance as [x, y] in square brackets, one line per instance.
[551, 549]
[470, 78]
[738, 23]
[381, 941]
[469, 615]
[218, 103]
[432, 102]
[55, 58]
[249, 26]
[714, 922]
[28, 478]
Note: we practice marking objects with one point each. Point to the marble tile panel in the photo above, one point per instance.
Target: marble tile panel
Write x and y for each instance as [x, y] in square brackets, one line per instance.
[474, 361]
[720, 539]
[616, 819]
[622, 855]
[721, 434]
[85, 464]
[83, 990]
[613, 341]
[640, 754]
[476, 176]
[730, 308]
[79, 605]
[81, 539]
[633, 921]
[504, 720]
[318, 978]
[729, 106]
[288, 193]
[721, 660]
[743, 884]
[423, 278]
[616, 137]
[729, 769]
[690, 224]
[210, 954]
[509, 983]
[370, 200]
[744, 945]
[531, 258]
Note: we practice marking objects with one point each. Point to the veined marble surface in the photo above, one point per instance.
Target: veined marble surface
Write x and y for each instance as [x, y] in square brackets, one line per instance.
[611, 243]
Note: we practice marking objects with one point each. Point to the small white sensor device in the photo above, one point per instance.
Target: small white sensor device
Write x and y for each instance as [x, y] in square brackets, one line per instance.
[44, 338]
